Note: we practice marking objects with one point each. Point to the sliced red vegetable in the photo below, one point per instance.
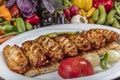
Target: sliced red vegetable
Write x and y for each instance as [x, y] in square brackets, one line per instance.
[34, 19]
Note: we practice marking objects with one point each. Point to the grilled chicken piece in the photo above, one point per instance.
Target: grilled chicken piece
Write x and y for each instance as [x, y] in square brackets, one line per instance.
[96, 39]
[26, 47]
[52, 48]
[109, 35]
[35, 53]
[69, 48]
[82, 43]
[15, 58]
[37, 56]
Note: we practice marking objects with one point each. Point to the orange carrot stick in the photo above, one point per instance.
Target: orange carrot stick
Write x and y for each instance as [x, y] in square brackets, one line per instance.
[5, 39]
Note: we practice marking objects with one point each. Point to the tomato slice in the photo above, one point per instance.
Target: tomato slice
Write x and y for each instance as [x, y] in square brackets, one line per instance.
[75, 67]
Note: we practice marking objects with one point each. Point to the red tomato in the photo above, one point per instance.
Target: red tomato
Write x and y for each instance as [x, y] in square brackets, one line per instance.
[108, 4]
[75, 67]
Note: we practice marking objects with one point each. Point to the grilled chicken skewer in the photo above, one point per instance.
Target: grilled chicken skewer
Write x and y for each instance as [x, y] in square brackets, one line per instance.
[36, 56]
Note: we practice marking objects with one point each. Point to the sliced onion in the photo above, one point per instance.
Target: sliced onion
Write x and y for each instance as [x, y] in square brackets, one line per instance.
[93, 58]
[10, 3]
[113, 56]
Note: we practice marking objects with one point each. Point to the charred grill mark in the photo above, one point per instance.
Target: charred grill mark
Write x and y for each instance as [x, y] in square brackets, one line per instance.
[51, 47]
[82, 43]
[109, 35]
[69, 48]
[97, 40]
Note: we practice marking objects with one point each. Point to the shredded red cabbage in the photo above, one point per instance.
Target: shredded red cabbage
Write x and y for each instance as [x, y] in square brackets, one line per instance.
[25, 5]
[10, 3]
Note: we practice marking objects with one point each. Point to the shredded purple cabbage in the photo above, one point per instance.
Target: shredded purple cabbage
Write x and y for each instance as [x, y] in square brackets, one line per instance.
[25, 5]
[10, 3]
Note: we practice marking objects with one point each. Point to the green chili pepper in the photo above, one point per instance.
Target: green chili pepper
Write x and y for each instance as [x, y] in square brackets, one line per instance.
[104, 61]
[28, 26]
[20, 25]
[116, 23]
[5, 23]
[9, 28]
[58, 33]
[117, 7]
[52, 34]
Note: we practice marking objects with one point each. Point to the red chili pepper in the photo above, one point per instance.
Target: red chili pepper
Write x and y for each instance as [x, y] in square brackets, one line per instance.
[34, 19]
[108, 4]
[15, 11]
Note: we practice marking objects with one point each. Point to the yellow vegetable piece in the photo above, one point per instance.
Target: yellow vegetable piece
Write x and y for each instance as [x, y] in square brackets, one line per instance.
[90, 12]
[5, 13]
[82, 12]
[79, 3]
[88, 4]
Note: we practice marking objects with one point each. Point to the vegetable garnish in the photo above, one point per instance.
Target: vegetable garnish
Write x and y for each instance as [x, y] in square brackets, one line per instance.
[59, 33]
[104, 61]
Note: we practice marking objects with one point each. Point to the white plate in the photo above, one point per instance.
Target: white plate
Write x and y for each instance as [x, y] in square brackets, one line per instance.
[10, 75]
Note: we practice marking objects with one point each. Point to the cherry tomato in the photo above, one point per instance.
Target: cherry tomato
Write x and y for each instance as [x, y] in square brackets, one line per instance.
[75, 67]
